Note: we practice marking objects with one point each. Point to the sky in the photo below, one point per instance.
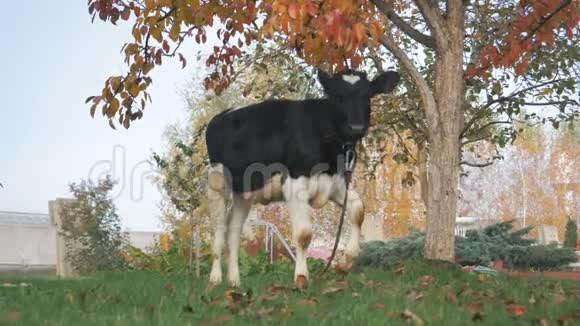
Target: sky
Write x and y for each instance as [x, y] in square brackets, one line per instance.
[51, 60]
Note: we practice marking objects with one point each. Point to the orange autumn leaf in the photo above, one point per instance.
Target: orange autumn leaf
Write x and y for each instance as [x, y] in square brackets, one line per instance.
[516, 309]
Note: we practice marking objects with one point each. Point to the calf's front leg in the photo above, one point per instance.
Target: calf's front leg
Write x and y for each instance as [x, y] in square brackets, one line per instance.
[297, 197]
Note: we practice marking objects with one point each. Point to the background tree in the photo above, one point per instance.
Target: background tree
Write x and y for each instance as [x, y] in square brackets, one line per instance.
[571, 236]
[92, 228]
[338, 33]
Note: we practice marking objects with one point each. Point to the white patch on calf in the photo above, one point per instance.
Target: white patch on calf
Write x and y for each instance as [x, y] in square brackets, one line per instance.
[351, 79]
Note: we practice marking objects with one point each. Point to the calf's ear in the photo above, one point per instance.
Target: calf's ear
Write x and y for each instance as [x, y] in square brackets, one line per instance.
[385, 83]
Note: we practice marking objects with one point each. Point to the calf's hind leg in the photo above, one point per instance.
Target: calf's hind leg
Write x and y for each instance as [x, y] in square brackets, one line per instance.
[355, 213]
[240, 210]
[220, 216]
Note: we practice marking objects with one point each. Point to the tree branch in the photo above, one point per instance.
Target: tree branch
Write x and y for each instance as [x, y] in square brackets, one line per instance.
[387, 9]
[429, 104]
[474, 140]
[434, 20]
[476, 165]
[500, 100]
[547, 103]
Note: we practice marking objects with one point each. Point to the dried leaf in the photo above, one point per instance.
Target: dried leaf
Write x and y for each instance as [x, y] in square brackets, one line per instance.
[399, 269]
[414, 295]
[335, 287]
[263, 311]
[308, 302]
[566, 319]
[516, 309]
[278, 288]
[426, 279]
[410, 316]
[169, 287]
[450, 296]
[558, 298]
[12, 316]
[474, 306]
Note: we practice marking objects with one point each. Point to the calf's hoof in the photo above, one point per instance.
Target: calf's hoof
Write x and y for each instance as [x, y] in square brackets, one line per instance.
[344, 263]
[215, 278]
[301, 282]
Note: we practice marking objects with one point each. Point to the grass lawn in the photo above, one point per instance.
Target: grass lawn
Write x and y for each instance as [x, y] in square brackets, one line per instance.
[414, 293]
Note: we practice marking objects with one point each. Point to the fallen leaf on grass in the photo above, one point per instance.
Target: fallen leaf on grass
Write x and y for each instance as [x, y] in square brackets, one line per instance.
[278, 288]
[426, 279]
[464, 291]
[377, 305]
[308, 302]
[408, 315]
[474, 306]
[217, 320]
[399, 269]
[210, 300]
[263, 311]
[414, 295]
[450, 296]
[283, 309]
[516, 309]
[12, 316]
[544, 322]
[150, 310]
[509, 301]
[336, 287]
[14, 285]
[355, 295]
[532, 299]
[169, 287]
[558, 298]
[569, 318]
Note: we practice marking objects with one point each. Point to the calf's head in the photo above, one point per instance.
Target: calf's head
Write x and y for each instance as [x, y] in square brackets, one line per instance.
[350, 93]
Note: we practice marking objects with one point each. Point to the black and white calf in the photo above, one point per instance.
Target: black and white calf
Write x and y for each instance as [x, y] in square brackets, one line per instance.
[287, 151]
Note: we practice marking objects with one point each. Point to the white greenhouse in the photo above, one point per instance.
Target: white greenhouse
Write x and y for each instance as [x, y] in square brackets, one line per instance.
[28, 242]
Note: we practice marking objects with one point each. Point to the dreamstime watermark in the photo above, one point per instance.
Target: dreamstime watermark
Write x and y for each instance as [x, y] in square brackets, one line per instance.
[134, 178]
[131, 179]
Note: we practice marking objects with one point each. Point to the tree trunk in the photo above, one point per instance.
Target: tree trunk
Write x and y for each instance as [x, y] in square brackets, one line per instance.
[197, 252]
[444, 143]
[422, 171]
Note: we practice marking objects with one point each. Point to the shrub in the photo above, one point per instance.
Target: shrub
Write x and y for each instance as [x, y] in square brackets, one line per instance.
[479, 247]
[92, 228]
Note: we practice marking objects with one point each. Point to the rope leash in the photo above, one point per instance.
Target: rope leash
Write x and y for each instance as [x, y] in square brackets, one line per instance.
[350, 159]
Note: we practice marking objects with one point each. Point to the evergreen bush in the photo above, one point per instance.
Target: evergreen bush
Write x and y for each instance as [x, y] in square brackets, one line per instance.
[479, 247]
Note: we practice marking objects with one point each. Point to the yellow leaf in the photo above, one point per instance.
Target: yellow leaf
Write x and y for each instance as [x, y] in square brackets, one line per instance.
[136, 34]
[134, 89]
[114, 107]
[174, 32]
[115, 83]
